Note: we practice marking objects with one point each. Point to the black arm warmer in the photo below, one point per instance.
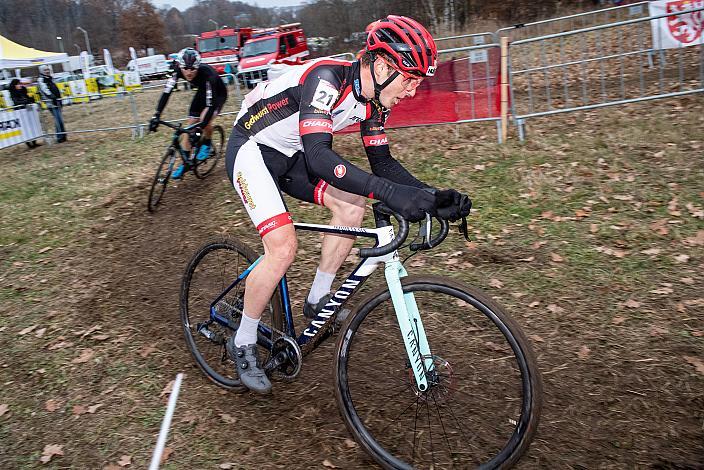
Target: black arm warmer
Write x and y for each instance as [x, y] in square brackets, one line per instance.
[388, 167]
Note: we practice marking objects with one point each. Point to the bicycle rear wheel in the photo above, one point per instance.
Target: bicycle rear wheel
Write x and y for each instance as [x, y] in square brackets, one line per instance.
[213, 268]
[483, 404]
[203, 168]
[161, 179]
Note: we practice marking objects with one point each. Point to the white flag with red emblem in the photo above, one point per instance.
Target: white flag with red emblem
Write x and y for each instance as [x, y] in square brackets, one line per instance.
[674, 31]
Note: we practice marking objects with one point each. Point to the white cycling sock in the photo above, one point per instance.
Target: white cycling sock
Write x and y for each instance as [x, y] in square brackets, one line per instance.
[247, 332]
[321, 286]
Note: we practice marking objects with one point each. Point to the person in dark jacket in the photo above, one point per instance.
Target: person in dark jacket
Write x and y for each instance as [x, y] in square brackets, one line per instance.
[52, 96]
[20, 99]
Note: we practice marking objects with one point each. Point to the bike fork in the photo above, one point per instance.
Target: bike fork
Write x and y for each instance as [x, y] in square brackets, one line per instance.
[410, 323]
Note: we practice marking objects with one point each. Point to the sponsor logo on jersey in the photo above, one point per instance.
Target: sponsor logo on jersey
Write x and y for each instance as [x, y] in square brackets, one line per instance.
[375, 140]
[277, 105]
[255, 117]
[357, 87]
[340, 171]
[244, 191]
[310, 126]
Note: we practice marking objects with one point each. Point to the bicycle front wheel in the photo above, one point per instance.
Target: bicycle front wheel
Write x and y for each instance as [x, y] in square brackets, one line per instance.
[212, 269]
[205, 167]
[483, 404]
[161, 179]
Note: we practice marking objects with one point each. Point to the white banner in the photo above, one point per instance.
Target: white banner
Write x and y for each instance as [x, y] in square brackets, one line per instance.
[682, 30]
[85, 64]
[19, 126]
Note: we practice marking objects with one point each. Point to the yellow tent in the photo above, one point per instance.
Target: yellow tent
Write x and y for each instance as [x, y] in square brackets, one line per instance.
[14, 56]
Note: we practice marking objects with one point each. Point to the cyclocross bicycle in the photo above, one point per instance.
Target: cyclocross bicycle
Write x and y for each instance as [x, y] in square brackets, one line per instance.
[201, 168]
[429, 372]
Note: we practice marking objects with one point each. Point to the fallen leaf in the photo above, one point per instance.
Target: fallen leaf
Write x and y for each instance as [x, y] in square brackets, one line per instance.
[350, 443]
[493, 346]
[618, 320]
[147, 350]
[112, 466]
[536, 338]
[79, 410]
[227, 465]
[44, 250]
[556, 258]
[651, 251]
[29, 329]
[534, 304]
[229, 419]
[658, 331]
[696, 362]
[61, 345]
[555, 309]
[167, 389]
[620, 197]
[167, 453]
[93, 408]
[125, 461]
[40, 332]
[660, 227]
[327, 463]
[496, 283]
[687, 280]
[86, 355]
[580, 213]
[682, 258]
[662, 290]
[527, 260]
[100, 337]
[49, 451]
[697, 240]
[593, 228]
[583, 352]
[53, 405]
[630, 303]
[3, 408]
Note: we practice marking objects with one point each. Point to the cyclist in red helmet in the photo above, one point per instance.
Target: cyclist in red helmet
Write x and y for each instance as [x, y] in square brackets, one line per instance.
[282, 142]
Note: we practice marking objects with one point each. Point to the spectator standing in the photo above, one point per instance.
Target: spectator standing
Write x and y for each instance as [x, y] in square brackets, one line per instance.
[20, 99]
[52, 96]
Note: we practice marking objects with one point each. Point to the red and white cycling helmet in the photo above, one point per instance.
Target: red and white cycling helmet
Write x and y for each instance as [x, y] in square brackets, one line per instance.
[407, 42]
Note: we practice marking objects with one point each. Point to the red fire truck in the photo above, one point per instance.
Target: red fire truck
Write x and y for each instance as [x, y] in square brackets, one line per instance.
[287, 41]
[222, 46]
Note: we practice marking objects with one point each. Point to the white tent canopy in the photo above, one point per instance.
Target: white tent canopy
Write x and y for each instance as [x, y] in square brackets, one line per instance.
[13, 56]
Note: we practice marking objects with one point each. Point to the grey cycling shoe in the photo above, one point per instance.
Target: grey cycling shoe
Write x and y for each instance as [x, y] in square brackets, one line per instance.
[251, 375]
[310, 310]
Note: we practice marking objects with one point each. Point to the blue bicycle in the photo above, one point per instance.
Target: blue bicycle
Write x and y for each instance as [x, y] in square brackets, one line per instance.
[429, 372]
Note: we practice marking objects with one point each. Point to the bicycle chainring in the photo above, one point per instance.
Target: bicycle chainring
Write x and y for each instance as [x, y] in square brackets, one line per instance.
[293, 358]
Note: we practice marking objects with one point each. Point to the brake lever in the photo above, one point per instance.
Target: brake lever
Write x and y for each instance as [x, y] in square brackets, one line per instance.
[425, 234]
[463, 229]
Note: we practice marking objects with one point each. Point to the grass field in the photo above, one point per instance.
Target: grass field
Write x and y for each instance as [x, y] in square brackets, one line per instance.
[590, 234]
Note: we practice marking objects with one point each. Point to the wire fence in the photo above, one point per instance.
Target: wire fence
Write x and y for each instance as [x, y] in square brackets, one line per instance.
[600, 66]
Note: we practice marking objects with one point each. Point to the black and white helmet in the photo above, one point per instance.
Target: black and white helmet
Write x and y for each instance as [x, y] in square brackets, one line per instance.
[188, 58]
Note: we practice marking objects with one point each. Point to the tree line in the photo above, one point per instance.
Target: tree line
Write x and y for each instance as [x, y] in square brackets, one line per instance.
[119, 24]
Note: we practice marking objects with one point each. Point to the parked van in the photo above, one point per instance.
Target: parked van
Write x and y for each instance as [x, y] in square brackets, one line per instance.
[150, 67]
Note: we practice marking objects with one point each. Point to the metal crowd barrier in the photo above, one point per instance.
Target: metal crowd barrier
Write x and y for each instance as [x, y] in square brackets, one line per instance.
[599, 66]
[572, 22]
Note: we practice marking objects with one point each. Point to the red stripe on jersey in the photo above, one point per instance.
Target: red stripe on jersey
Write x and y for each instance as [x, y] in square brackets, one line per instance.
[342, 97]
[323, 62]
[369, 110]
[272, 223]
[319, 193]
[311, 126]
[375, 140]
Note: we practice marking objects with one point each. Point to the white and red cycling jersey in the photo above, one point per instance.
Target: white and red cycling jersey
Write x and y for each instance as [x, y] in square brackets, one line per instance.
[295, 115]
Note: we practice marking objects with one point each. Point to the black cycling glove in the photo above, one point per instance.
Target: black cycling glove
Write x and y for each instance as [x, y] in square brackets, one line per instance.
[409, 202]
[154, 123]
[452, 205]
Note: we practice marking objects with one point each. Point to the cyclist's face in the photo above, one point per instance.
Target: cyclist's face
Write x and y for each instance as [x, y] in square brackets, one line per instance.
[403, 86]
[190, 74]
